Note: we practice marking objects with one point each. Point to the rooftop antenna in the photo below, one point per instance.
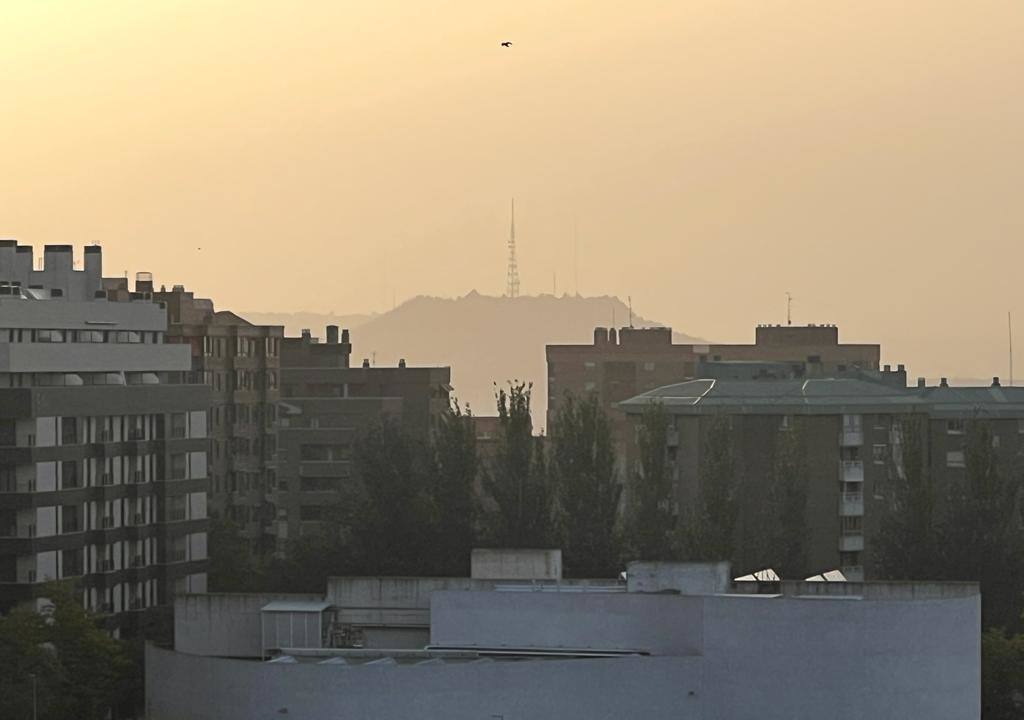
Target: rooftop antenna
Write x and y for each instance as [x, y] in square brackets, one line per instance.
[512, 276]
[630, 299]
[789, 309]
[554, 284]
[1009, 327]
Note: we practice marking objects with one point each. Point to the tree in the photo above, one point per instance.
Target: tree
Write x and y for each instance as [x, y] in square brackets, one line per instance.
[517, 479]
[393, 521]
[583, 465]
[906, 547]
[709, 530]
[232, 567]
[74, 669]
[1002, 675]
[981, 535]
[453, 480]
[651, 521]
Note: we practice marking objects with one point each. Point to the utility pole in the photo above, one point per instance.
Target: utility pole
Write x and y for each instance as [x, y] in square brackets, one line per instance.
[789, 309]
[1009, 327]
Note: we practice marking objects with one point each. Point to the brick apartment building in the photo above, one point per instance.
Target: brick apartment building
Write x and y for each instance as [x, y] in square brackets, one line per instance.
[851, 436]
[240, 362]
[325, 406]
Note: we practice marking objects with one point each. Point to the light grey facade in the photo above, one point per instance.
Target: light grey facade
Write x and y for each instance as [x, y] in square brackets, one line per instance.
[102, 441]
[848, 650]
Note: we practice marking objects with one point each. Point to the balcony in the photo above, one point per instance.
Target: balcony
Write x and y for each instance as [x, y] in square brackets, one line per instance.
[851, 471]
[851, 543]
[853, 573]
[851, 505]
[851, 437]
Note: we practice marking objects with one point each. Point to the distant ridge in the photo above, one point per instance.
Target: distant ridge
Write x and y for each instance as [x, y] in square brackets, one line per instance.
[485, 339]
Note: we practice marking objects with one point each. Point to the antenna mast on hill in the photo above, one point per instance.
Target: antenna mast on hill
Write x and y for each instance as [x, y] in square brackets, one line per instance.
[512, 280]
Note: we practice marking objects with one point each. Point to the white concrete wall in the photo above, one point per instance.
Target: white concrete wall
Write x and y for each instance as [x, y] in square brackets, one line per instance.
[222, 624]
[515, 564]
[687, 578]
[658, 624]
[93, 357]
[202, 688]
[763, 658]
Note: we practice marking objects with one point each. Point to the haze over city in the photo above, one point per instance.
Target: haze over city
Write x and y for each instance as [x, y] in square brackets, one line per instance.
[367, 360]
[865, 157]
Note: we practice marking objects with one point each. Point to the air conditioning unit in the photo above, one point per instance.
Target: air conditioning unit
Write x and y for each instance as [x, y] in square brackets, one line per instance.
[106, 565]
[105, 435]
[138, 561]
[178, 432]
[107, 478]
[107, 522]
[30, 440]
[138, 476]
[178, 555]
[31, 576]
[31, 531]
[138, 518]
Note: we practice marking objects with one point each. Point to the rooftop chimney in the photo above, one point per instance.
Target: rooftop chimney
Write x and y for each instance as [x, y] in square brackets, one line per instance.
[887, 368]
[600, 336]
[943, 382]
[306, 334]
[344, 335]
[332, 334]
[920, 382]
[901, 368]
[366, 362]
[995, 381]
[401, 363]
[143, 282]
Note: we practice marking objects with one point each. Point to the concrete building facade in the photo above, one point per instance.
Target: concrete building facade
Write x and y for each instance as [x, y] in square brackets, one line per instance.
[103, 439]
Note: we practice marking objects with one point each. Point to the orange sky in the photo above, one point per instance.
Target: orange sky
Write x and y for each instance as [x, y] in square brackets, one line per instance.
[867, 156]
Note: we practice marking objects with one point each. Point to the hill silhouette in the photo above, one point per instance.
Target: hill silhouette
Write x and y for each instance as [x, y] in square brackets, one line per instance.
[485, 339]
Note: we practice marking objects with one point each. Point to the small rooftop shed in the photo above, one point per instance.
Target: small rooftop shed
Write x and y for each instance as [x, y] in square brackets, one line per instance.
[293, 624]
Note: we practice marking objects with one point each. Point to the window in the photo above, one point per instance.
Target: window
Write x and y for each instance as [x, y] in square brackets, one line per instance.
[878, 454]
[787, 423]
[590, 364]
[50, 336]
[313, 512]
[590, 386]
[851, 525]
[649, 366]
[851, 423]
[955, 458]
[955, 427]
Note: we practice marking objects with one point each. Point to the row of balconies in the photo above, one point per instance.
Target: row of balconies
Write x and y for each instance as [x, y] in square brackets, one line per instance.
[107, 566]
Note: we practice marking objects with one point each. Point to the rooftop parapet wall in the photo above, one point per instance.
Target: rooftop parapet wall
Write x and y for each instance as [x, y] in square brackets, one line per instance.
[515, 564]
[224, 624]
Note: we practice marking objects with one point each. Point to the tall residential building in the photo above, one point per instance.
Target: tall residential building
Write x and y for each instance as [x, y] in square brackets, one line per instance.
[103, 439]
[850, 436]
[624, 363]
[325, 406]
[241, 364]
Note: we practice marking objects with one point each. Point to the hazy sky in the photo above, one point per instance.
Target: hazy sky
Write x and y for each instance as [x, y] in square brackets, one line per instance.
[867, 156]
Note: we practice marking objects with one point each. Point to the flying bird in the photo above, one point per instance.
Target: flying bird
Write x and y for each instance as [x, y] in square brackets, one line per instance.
[507, 43]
